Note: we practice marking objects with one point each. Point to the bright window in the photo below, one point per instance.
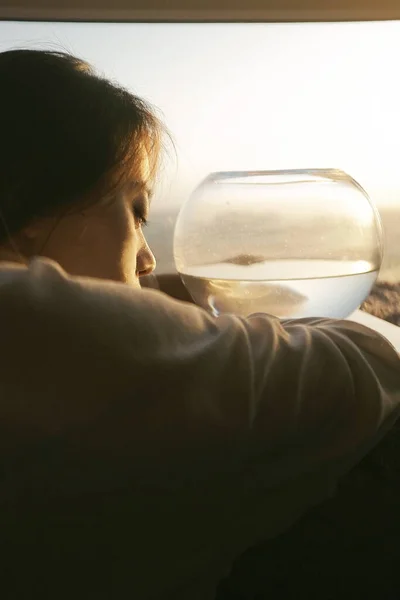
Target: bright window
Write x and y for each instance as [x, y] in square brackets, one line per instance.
[254, 96]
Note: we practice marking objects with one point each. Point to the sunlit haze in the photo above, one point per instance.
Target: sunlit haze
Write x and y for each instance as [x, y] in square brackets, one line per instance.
[253, 96]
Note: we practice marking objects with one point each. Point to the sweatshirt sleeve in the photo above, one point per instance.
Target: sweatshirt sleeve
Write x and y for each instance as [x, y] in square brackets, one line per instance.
[180, 399]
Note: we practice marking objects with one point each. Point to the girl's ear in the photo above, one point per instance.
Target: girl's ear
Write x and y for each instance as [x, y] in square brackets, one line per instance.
[32, 237]
[34, 229]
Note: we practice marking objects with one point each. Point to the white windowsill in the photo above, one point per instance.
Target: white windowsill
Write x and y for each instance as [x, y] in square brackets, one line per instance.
[391, 332]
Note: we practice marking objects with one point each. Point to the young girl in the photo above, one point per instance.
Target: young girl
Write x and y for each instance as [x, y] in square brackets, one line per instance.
[144, 444]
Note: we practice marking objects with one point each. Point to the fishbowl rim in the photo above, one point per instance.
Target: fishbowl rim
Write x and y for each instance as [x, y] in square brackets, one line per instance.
[329, 173]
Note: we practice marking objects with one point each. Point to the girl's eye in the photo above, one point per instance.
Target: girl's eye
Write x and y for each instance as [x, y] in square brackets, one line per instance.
[139, 215]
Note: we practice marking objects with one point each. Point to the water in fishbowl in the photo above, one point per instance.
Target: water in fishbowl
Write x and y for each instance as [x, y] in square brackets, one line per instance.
[285, 288]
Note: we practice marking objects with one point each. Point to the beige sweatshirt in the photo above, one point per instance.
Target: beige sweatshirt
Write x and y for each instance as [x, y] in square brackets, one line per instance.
[144, 444]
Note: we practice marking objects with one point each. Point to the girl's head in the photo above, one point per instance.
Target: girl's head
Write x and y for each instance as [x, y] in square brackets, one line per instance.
[78, 160]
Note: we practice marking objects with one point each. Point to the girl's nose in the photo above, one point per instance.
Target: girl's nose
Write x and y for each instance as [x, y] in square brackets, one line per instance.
[146, 262]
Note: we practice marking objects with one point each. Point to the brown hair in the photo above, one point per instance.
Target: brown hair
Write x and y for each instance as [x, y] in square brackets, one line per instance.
[67, 135]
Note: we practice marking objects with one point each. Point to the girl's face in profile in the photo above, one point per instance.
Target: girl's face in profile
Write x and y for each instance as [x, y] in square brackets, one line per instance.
[105, 240]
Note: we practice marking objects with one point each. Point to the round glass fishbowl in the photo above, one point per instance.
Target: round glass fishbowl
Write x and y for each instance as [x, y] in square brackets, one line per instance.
[293, 243]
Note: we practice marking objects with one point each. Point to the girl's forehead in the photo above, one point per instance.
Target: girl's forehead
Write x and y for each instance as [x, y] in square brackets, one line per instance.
[141, 171]
[144, 167]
